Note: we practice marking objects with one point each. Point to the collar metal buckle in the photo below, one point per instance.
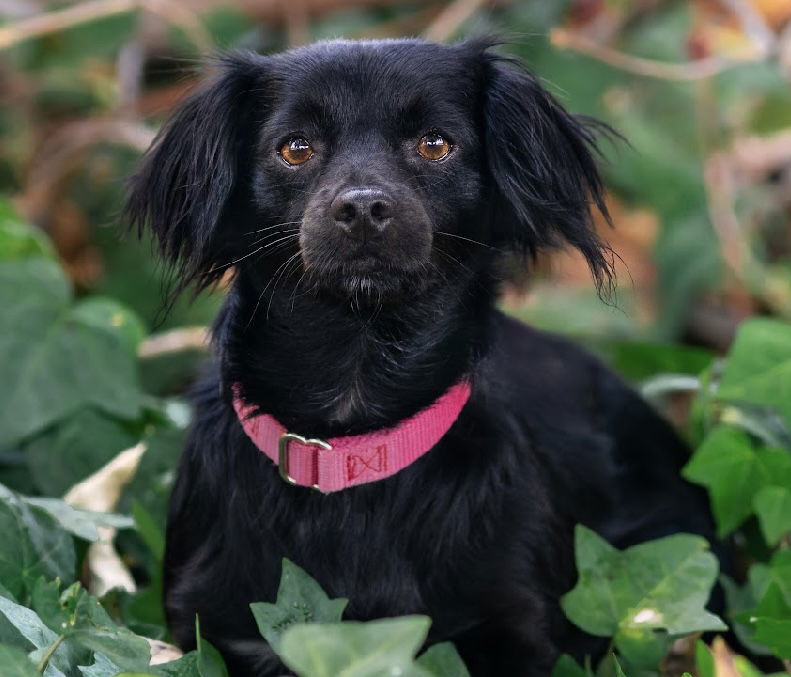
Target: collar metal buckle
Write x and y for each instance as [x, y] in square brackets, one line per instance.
[282, 465]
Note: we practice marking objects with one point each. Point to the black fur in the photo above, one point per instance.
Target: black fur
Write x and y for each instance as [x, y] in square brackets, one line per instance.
[334, 336]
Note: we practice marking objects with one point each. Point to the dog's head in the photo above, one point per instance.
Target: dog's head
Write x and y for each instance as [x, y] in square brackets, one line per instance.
[369, 169]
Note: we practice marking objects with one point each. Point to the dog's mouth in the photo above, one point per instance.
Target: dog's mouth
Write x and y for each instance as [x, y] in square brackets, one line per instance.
[366, 281]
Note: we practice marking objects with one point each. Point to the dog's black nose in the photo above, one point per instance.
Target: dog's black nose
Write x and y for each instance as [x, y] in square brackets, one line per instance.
[362, 213]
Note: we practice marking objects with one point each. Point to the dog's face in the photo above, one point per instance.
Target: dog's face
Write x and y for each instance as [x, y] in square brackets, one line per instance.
[368, 169]
[373, 156]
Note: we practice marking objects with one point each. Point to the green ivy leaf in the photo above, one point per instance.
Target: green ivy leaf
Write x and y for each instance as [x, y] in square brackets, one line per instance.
[772, 621]
[780, 573]
[109, 315]
[773, 507]
[101, 667]
[92, 627]
[566, 666]
[659, 585]
[54, 363]
[18, 240]
[81, 523]
[16, 663]
[734, 471]
[149, 530]
[210, 663]
[74, 448]
[35, 631]
[300, 599]
[758, 370]
[45, 599]
[442, 660]
[355, 649]
[33, 545]
[704, 661]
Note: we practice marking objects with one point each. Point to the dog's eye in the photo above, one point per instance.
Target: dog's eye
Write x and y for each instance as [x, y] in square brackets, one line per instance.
[433, 146]
[296, 151]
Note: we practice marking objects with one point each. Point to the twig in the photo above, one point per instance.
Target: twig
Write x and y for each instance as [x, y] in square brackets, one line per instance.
[296, 17]
[64, 151]
[175, 13]
[62, 19]
[174, 341]
[761, 155]
[753, 25]
[687, 72]
[451, 19]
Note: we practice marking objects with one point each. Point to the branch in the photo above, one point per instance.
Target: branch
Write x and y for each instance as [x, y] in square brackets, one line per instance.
[451, 19]
[174, 341]
[685, 72]
[62, 19]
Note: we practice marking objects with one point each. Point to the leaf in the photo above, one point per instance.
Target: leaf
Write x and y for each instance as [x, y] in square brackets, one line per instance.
[81, 523]
[33, 629]
[566, 666]
[101, 667]
[81, 620]
[745, 598]
[300, 599]
[776, 634]
[109, 315]
[659, 585]
[442, 660]
[734, 471]
[45, 599]
[74, 448]
[54, 363]
[19, 240]
[149, 530]
[93, 628]
[704, 661]
[643, 648]
[16, 663]
[773, 507]
[772, 621]
[32, 545]
[354, 649]
[758, 369]
[210, 663]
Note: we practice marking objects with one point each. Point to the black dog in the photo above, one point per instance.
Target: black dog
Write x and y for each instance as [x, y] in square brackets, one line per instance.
[366, 193]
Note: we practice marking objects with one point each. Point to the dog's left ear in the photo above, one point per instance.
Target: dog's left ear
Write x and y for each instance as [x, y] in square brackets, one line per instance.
[197, 171]
[543, 167]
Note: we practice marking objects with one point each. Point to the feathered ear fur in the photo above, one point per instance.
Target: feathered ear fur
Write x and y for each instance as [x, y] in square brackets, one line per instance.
[542, 163]
[183, 186]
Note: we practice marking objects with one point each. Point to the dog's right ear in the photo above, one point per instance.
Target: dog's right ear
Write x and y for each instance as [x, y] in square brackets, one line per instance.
[182, 189]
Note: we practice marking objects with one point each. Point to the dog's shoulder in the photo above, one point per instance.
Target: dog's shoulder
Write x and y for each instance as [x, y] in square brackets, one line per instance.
[540, 368]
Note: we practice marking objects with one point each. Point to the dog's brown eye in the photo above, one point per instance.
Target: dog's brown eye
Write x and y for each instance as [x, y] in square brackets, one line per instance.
[433, 146]
[296, 151]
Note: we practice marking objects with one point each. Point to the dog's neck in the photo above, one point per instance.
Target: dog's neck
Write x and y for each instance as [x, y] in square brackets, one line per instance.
[322, 367]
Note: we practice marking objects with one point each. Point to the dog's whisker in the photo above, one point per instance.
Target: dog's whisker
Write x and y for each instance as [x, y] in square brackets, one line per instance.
[276, 225]
[277, 277]
[466, 239]
[263, 238]
[282, 239]
[452, 258]
[234, 262]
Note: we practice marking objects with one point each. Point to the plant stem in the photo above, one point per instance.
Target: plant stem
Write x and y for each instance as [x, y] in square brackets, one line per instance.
[42, 664]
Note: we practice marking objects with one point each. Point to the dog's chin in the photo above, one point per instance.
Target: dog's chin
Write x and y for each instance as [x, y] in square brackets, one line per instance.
[370, 287]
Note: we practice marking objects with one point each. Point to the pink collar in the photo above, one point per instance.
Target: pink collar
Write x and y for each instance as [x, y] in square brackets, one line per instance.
[343, 462]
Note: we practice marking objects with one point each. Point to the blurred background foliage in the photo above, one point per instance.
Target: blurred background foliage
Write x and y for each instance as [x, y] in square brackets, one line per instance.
[700, 88]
